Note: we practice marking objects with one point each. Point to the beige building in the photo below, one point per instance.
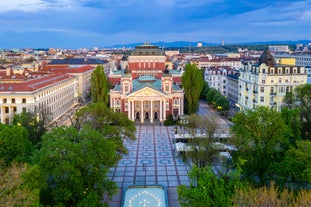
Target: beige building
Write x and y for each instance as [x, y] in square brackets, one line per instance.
[54, 94]
[266, 83]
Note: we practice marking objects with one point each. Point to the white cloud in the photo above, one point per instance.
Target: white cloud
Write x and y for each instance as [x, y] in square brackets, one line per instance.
[22, 5]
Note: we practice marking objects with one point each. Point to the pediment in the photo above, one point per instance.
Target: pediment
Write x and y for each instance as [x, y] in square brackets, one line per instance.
[147, 92]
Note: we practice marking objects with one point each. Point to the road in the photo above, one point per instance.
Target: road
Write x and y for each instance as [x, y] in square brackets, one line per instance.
[205, 109]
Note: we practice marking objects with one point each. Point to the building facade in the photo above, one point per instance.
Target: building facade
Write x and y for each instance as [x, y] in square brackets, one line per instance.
[52, 94]
[266, 83]
[147, 91]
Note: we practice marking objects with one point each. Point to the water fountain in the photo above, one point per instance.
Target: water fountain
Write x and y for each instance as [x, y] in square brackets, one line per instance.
[145, 195]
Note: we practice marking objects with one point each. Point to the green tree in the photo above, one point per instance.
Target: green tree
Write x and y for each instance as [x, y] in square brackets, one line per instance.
[222, 104]
[301, 98]
[206, 189]
[297, 164]
[14, 144]
[262, 139]
[99, 86]
[211, 95]
[204, 90]
[13, 191]
[74, 165]
[35, 127]
[192, 82]
[113, 125]
[201, 132]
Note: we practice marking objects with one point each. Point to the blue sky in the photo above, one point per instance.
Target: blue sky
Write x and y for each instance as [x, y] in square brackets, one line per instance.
[100, 23]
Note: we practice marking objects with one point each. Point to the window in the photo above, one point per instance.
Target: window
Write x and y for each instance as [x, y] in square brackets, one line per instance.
[6, 110]
[280, 80]
[167, 88]
[4, 100]
[24, 109]
[262, 89]
[272, 81]
[262, 99]
[263, 81]
[13, 100]
[281, 89]
[126, 88]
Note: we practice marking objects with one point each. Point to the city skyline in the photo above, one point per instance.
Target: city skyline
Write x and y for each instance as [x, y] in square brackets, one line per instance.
[103, 23]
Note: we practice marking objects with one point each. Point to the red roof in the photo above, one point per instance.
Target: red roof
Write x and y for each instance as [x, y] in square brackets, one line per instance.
[33, 84]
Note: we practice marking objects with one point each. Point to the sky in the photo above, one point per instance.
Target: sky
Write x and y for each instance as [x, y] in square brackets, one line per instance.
[104, 23]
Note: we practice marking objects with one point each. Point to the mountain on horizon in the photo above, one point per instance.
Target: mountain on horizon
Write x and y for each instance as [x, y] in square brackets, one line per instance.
[179, 44]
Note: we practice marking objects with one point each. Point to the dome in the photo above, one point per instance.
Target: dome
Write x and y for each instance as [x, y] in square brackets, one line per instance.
[266, 58]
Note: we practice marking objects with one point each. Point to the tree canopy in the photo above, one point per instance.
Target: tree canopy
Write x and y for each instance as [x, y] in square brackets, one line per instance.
[99, 86]
[74, 165]
[113, 125]
[262, 139]
[192, 83]
[14, 144]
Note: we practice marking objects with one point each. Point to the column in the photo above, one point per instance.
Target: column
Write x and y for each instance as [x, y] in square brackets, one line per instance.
[179, 105]
[133, 107]
[182, 106]
[151, 111]
[161, 110]
[129, 109]
[142, 112]
[164, 110]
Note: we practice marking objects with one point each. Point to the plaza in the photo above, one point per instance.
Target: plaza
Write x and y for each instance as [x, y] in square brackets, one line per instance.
[150, 160]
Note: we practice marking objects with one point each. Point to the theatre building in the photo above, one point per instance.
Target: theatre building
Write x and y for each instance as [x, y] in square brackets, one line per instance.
[146, 90]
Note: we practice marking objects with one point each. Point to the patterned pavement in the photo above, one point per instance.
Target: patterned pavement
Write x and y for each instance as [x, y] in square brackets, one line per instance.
[151, 160]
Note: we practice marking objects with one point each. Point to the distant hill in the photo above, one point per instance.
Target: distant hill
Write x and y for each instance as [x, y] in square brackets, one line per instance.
[180, 44]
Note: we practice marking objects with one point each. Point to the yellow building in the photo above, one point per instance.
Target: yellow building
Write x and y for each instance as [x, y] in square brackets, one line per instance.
[286, 61]
[266, 83]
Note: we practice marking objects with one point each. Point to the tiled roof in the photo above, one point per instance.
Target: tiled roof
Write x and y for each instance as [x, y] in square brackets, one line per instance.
[77, 61]
[33, 84]
[73, 70]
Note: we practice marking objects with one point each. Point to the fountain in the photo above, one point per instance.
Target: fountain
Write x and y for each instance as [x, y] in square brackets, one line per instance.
[144, 196]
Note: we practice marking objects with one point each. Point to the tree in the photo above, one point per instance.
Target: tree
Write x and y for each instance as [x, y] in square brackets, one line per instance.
[73, 164]
[206, 189]
[35, 127]
[204, 90]
[113, 125]
[270, 196]
[13, 191]
[202, 132]
[301, 98]
[192, 82]
[262, 139]
[99, 86]
[211, 94]
[14, 144]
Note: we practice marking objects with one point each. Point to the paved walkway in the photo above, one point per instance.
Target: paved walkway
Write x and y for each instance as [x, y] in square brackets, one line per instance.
[151, 160]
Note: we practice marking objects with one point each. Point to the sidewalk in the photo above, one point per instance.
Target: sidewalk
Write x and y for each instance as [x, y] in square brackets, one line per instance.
[151, 160]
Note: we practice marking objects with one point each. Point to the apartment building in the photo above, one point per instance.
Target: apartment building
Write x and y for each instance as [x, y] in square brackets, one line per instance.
[217, 77]
[53, 94]
[266, 83]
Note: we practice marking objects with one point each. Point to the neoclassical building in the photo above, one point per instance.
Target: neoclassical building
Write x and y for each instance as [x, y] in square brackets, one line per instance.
[146, 90]
[266, 83]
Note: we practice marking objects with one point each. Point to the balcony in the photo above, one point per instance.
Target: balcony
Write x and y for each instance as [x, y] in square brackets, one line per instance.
[254, 91]
[273, 93]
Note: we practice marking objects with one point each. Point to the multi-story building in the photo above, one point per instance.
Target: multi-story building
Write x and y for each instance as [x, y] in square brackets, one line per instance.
[266, 83]
[205, 62]
[53, 94]
[233, 89]
[216, 77]
[147, 91]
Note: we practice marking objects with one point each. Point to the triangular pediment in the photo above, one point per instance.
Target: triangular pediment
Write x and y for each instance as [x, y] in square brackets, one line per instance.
[147, 92]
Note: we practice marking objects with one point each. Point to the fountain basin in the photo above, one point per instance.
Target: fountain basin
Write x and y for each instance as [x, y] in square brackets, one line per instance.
[144, 195]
